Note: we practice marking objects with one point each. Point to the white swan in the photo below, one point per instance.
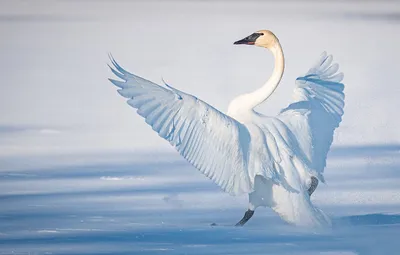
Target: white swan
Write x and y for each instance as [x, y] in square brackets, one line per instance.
[276, 160]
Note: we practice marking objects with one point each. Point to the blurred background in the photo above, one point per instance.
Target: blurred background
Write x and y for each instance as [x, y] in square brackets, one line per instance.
[56, 97]
[81, 172]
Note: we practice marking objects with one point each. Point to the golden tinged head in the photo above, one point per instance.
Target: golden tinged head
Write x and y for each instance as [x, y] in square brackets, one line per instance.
[261, 38]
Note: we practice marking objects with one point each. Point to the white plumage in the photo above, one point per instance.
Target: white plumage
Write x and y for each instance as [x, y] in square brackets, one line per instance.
[270, 158]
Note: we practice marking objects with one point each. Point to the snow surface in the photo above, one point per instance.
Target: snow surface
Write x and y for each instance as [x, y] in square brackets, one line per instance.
[80, 173]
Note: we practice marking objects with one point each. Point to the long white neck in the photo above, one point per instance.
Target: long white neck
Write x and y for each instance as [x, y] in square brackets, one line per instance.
[260, 95]
[247, 102]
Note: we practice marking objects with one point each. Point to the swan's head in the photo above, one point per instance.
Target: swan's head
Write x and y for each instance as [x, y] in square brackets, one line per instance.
[261, 38]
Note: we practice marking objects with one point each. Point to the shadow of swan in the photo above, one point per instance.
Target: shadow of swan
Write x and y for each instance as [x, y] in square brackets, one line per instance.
[370, 219]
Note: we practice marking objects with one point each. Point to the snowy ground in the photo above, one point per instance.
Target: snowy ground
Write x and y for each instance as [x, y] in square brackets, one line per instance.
[160, 205]
[80, 173]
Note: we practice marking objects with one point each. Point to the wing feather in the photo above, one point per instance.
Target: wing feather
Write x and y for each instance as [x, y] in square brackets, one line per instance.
[316, 111]
[211, 141]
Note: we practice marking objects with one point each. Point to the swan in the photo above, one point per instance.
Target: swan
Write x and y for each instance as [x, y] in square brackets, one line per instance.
[278, 161]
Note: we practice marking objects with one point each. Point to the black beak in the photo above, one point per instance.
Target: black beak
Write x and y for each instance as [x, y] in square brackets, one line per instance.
[249, 40]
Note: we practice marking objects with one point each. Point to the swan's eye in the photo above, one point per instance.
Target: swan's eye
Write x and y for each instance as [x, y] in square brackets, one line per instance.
[254, 36]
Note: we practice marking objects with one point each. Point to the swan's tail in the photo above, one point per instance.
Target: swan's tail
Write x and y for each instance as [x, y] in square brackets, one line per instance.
[297, 209]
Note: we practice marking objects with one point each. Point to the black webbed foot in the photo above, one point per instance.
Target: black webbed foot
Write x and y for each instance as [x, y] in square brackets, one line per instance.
[248, 214]
[313, 186]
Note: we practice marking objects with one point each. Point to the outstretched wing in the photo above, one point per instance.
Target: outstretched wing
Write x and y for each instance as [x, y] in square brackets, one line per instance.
[316, 111]
[211, 141]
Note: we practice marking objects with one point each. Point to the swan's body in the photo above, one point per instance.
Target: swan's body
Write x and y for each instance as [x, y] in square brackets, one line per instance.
[276, 160]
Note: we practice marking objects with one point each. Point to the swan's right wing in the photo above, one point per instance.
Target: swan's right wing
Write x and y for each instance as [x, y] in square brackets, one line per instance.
[214, 143]
[316, 111]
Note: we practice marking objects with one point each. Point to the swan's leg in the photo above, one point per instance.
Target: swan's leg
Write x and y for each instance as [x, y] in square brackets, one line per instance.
[247, 215]
[313, 186]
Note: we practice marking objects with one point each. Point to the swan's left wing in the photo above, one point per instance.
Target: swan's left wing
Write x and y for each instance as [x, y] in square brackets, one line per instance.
[316, 111]
[214, 143]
